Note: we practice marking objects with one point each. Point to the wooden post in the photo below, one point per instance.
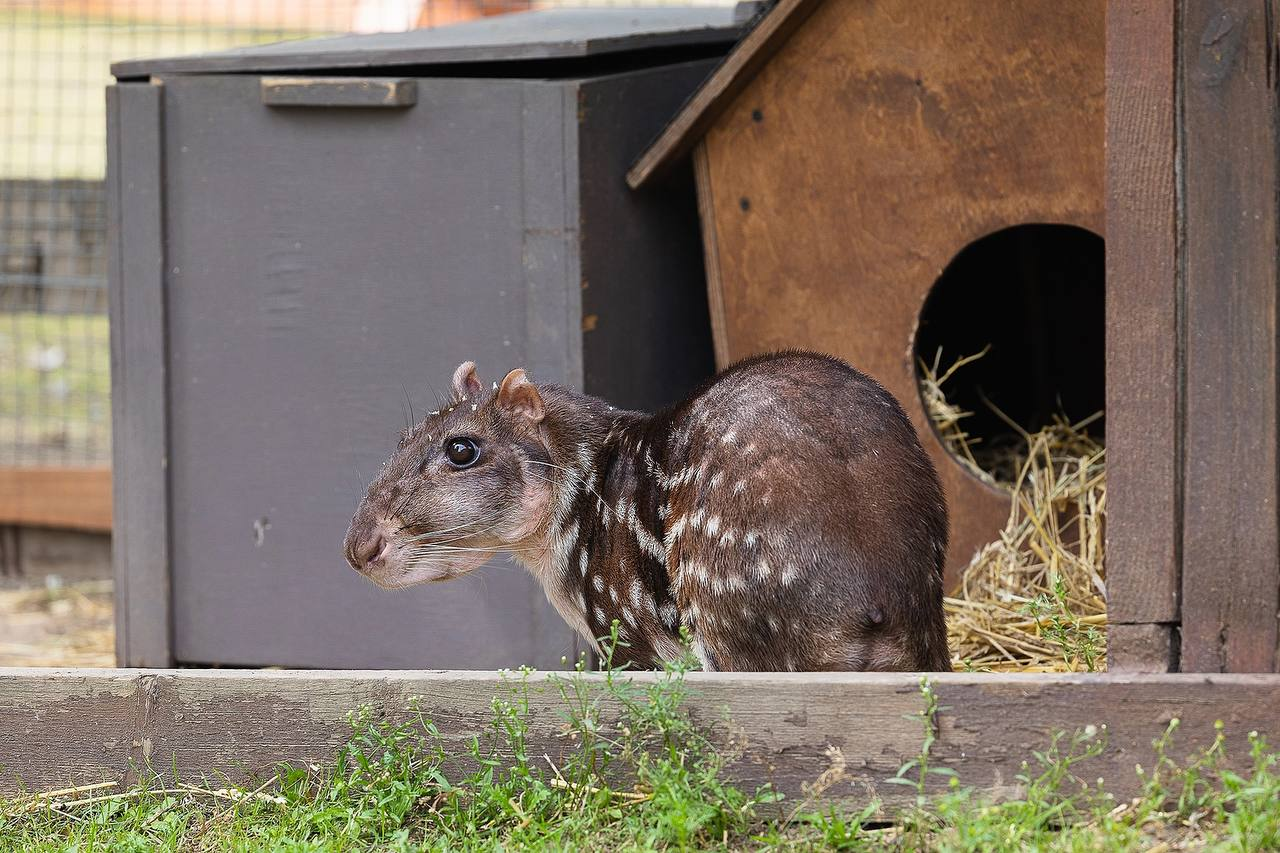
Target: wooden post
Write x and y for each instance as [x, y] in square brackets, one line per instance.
[1193, 537]
[139, 389]
[1231, 566]
[1143, 394]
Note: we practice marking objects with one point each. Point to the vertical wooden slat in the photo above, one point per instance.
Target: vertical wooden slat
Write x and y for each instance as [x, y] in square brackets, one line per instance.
[139, 391]
[1231, 567]
[711, 254]
[1143, 394]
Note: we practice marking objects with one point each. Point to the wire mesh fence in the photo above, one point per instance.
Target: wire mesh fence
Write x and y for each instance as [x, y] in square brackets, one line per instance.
[54, 65]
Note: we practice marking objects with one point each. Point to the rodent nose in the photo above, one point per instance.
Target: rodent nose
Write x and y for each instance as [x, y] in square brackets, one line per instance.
[370, 552]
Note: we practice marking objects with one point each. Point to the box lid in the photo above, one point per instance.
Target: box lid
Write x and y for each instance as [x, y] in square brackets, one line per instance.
[542, 36]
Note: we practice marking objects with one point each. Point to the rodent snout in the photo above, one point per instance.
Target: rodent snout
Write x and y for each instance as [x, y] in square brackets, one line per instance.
[368, 552]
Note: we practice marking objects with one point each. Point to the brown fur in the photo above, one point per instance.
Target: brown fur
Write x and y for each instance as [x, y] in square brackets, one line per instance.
[785, 514]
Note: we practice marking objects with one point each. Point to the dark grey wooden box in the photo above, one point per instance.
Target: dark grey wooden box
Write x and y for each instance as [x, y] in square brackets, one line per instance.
[306, 234]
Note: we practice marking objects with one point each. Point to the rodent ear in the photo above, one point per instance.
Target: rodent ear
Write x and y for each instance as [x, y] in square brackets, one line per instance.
[465, 381]
[519, 396]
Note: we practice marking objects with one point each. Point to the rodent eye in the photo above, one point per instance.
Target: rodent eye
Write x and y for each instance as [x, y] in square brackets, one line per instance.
[461, 452]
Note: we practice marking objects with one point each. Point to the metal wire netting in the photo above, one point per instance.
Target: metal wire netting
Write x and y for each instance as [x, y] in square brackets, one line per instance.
[54, 66]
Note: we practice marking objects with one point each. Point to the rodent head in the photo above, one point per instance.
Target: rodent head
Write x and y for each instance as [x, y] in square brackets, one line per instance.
[464, 483]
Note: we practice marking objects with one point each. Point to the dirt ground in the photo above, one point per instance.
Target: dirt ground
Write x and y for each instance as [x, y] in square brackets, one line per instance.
[47, 623]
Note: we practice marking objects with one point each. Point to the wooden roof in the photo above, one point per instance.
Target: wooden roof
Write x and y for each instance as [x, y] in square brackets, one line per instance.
[550, 34]
[719, 90]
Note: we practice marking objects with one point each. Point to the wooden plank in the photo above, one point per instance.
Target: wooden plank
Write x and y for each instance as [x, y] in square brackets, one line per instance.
[1141, 647]
[1231, 559]
[1143, 336]
[533, 39]
[340, 92]
[702, 110]
[76, 498]
[60, 727]
[139, 389]
[711, 254]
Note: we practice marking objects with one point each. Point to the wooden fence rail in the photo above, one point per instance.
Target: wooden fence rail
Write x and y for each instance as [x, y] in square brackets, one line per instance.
[64, 727]
[74, 498]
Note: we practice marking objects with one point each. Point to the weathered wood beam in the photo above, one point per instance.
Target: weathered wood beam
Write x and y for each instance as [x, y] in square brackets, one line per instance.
[139, 383]
[1231, 533]
[63, 727]
[1144, 393]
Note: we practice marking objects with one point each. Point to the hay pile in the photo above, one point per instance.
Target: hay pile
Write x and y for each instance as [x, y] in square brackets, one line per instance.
[1034, 600]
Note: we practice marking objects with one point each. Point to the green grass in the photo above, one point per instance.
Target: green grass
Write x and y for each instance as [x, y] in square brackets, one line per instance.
[55, 387]
[652, 780]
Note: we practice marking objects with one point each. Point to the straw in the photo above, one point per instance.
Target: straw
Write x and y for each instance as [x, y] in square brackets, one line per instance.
[1033, 600]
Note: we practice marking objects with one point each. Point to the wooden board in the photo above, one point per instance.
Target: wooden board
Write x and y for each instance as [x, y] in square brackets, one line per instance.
[1231, 562]
[878, 142]
[75, 498]
[1143, 336]
[711, 254]
[61, 727]
[531, 39]
[139, 380]
[339, 92]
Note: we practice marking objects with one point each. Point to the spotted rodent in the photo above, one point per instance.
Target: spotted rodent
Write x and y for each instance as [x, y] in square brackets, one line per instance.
[785, 514]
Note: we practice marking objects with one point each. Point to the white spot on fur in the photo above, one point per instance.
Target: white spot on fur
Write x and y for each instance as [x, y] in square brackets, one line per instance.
[763, 569]
[600, 620]
[713, 525]
[750, 539]
[739, 487]
[562, 544]
[729, 437]
[716, 479]
[646, 540]
[695, 520]
[583, 559]
[774, 625]
[669, 615]
[673, 532]
[597, 581]
[727, 539]
[789, 574]
[613, 594]
[750, 448]
[701, 652]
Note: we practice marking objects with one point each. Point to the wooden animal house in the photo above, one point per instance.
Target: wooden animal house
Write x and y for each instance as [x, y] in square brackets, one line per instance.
[879, 180]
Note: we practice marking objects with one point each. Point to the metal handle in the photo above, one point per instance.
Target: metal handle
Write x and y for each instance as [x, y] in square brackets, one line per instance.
[394, 93]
